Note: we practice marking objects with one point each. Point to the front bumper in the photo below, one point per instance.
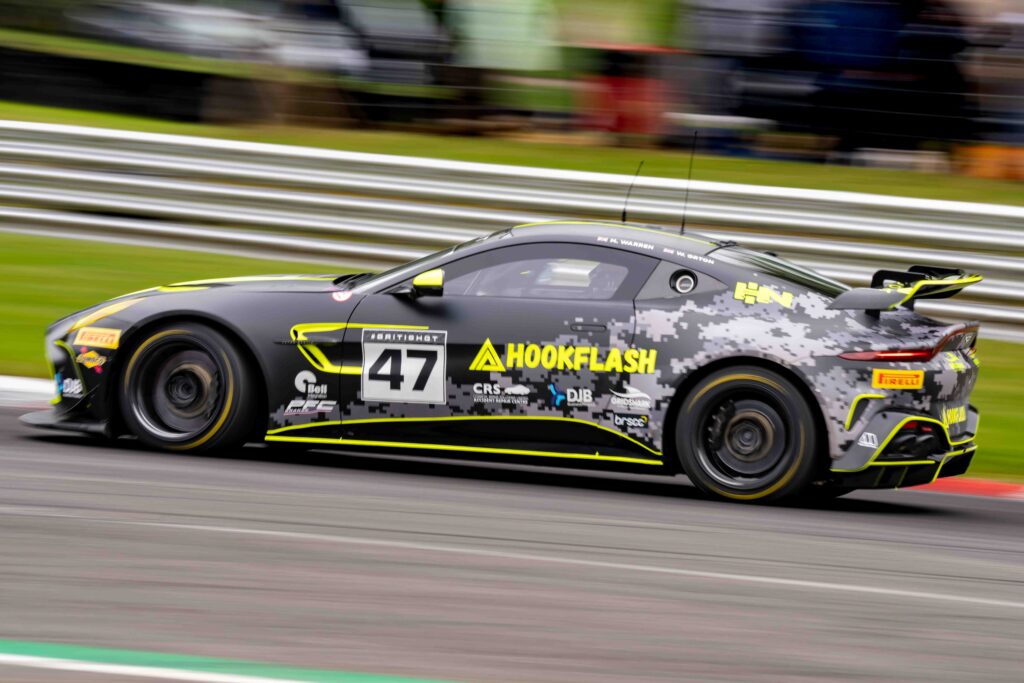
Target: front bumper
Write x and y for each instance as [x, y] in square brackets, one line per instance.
[51, 419]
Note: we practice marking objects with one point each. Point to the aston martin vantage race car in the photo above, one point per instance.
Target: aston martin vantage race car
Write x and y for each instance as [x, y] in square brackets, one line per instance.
[583, 344]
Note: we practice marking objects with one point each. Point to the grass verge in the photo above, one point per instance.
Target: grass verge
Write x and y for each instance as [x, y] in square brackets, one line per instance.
[562, 155]
[44, 279]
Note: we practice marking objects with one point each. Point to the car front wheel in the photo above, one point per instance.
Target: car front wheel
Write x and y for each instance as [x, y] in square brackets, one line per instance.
[186, 387]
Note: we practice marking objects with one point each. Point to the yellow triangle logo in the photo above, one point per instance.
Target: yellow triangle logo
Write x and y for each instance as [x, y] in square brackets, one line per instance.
[487, 359]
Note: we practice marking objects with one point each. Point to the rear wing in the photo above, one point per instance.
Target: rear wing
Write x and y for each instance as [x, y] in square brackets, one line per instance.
[891, 289]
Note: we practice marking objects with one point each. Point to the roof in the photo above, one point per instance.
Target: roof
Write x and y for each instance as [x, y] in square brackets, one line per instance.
[640, 237]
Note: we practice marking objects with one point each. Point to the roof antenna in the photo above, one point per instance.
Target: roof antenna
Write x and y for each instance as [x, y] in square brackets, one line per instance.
[625, 204]
[689, 176]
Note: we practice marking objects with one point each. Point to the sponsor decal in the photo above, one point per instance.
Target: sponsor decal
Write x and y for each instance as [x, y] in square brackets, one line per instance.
[91, 360]
[753, 293]
[868, 440]
[309, 406]
[71, 388]
[306, 383]
[341, 297]
[955, 362]
[550, 357]
[406, 366]
[487, 359]
[686, 255]
[636, 244]
[630, 397]
[631, 421]
[99, 337]
[952, 416]
[489, 392]
[897, 379]
[570, 397]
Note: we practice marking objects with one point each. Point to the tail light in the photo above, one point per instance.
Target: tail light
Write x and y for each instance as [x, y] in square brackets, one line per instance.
[963, 339]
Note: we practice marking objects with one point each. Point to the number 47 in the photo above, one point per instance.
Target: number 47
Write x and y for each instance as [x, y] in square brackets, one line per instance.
[392, 359]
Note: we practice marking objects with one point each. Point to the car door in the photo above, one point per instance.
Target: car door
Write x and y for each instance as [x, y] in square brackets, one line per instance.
[518, 356]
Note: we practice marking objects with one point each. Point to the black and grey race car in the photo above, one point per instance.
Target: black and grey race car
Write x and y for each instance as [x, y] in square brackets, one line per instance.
[576, 343]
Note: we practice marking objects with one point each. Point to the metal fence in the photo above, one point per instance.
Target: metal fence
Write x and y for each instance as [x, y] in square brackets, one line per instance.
[369, 209]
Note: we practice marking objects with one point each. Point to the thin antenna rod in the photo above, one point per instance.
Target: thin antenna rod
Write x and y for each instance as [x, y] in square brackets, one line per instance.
[689, 177]
[625, 204]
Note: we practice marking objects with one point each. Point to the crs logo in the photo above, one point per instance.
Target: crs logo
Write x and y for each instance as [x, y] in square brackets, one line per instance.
[306, 383]
[491, 392]
[631, 421]
[571, 397]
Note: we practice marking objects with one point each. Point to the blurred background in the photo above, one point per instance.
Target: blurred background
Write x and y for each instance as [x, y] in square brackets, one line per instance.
[932, 85]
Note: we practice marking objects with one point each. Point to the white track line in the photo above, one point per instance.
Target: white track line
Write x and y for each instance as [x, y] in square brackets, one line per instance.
[136, 671]
[551, 559]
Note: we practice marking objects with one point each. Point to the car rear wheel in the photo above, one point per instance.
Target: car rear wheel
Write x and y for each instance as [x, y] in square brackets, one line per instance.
[747, 434]
[186, 388]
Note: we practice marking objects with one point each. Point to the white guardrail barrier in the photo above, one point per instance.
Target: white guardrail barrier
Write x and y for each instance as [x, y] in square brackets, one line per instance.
[372, 210]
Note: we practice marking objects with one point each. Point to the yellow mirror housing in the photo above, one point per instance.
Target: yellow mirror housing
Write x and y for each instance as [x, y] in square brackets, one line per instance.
[430, 283]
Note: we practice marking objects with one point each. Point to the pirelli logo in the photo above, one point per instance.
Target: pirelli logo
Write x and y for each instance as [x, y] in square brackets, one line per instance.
[98, 337]
[897, 379]
[752, 293]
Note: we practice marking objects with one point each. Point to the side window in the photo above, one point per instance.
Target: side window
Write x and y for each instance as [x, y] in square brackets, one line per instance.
[549, 271]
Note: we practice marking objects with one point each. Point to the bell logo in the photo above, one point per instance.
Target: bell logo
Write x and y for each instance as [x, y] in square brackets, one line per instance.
[487, 359]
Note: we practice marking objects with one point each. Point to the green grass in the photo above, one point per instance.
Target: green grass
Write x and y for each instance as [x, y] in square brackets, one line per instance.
[999, 395]
[563, 155]
[44, 279]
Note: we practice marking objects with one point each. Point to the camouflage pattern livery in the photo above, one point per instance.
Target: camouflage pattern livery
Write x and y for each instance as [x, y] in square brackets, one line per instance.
[357, 363]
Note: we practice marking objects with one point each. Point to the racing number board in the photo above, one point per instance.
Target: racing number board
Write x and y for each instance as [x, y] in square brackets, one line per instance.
[406, 366]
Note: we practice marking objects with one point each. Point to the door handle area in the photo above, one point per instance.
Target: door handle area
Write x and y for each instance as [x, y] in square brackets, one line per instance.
[581, 327]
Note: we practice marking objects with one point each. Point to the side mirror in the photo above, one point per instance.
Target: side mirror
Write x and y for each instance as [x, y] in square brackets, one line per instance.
[430, 283]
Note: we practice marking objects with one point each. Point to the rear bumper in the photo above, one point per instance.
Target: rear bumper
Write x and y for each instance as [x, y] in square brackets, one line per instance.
[51, 419]
[871, 462]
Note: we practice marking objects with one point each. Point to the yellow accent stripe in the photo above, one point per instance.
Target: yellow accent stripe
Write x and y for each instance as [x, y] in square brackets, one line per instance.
[105, 312]
[469, 449]
[464, 418]
[318, 359]
[255, 278]
[853, 407]
[948, 286]
[615, 225]
[911, 418]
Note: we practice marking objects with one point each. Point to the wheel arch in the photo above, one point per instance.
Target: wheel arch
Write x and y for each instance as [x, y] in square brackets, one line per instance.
[138, 333]
[688, 382]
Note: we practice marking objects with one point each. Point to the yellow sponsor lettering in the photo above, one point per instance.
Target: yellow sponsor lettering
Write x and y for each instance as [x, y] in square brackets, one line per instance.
[897, 379]
[565, 354]
[952, 416]
[531, 358]
[515, 355]
[752, 293]
[548, 357]
[575, 358]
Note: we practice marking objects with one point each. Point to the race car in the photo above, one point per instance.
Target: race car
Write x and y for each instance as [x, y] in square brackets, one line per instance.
[583, 344]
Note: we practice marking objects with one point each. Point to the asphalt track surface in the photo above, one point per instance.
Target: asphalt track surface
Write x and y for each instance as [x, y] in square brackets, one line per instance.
[478, 574]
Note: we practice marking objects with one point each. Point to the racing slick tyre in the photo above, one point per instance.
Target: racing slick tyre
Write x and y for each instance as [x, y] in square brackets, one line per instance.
[186, 387]
[746, 433]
